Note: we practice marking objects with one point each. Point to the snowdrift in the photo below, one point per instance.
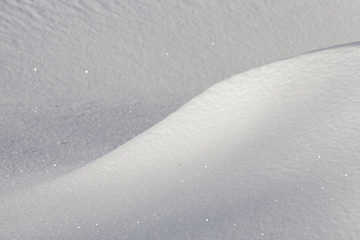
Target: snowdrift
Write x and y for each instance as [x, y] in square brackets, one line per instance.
[271, 153]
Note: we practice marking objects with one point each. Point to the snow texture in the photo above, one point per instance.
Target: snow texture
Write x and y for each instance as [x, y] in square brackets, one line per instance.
[271, 153]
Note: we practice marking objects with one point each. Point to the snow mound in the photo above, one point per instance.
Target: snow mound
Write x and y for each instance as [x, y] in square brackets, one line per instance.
[270, 153]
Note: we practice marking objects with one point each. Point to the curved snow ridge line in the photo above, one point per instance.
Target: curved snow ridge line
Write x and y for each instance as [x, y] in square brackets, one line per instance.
[273, 151]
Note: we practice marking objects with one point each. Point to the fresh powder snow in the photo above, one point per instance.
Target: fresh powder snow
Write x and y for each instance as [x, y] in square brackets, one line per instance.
[272, 152]
[249, 158]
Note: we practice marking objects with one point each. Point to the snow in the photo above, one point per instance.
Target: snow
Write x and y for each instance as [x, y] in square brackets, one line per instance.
[270, 153]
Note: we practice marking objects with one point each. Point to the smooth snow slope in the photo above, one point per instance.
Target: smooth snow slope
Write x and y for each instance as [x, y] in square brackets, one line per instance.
[80, 78]
[272, 153]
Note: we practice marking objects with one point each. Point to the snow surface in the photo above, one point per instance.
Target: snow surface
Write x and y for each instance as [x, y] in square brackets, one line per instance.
[271, 153]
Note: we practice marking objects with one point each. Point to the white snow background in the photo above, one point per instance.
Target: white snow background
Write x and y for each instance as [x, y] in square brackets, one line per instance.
[272, 153]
